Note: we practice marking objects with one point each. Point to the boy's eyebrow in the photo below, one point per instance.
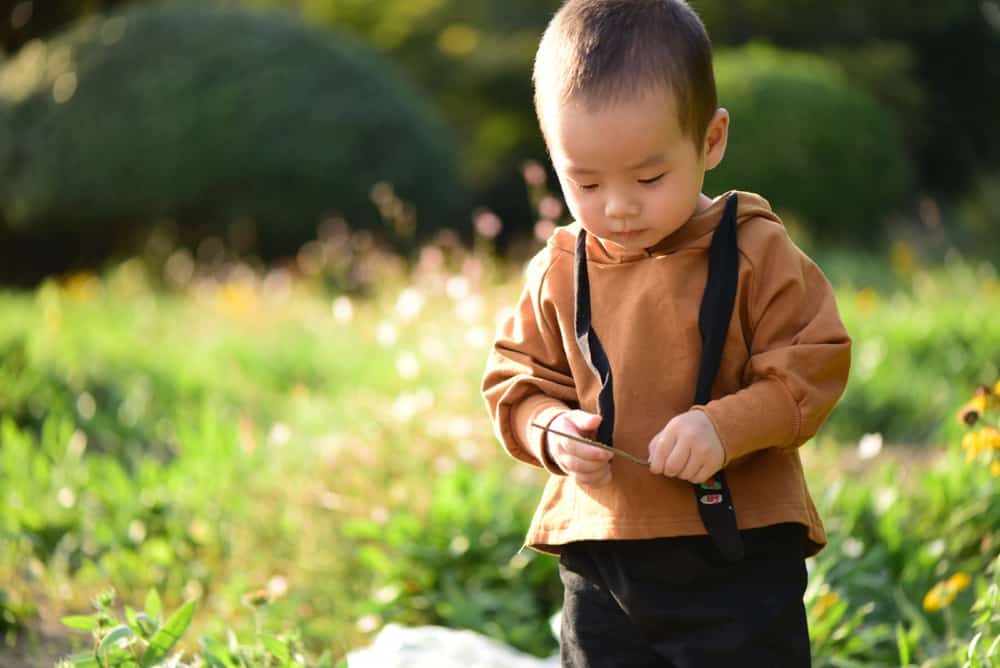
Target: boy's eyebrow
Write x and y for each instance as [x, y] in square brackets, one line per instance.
[654, 159]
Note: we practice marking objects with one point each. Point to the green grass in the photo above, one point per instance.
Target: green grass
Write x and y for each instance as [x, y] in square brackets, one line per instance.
[219, 437]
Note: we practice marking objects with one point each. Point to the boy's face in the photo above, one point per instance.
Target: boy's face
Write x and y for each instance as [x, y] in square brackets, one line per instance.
[628, 173]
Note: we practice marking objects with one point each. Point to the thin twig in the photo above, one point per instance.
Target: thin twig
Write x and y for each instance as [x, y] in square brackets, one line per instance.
[597, 444]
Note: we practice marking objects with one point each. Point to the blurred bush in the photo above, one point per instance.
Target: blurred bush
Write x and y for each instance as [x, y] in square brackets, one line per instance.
[813, 144]
[460, 563]
[209, 114]
[951, 53]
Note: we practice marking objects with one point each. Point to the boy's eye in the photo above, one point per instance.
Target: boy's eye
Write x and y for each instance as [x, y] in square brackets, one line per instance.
[587, 186]
[652, 180]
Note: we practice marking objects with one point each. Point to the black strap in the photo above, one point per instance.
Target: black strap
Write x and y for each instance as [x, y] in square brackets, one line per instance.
[713, 498]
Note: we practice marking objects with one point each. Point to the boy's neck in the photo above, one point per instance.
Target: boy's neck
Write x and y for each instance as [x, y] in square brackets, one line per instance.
[704, 201]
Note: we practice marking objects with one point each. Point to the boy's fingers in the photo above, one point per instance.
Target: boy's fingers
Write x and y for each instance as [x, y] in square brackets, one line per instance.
[691, 469]
[659, 450]
[584, 451]
[703, 474]
[677, 460]
[665, 445]
[583, 421]
[595, 479]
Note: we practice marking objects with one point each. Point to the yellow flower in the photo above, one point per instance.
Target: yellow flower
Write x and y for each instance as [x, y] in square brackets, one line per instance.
[943, 593]
[995, 469]
[825, 602]
[970, 443]
[256, 598]
[81, 286]
[903, 258]
[867, 301]
[237, 298]
[996, 389]
[971, 412]
[989, 438]
[959, 581]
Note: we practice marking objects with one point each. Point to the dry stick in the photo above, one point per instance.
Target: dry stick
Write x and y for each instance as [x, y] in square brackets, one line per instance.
[597, 444]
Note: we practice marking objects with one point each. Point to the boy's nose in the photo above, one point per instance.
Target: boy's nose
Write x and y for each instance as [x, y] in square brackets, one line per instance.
[621, 208]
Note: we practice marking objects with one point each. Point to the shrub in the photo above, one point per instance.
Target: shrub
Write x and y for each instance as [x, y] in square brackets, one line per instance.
[145, 639]
[207, 114]
[810, 142]
[461, 563]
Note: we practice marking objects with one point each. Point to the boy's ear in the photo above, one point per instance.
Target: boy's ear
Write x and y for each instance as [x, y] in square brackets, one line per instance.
[715, 138]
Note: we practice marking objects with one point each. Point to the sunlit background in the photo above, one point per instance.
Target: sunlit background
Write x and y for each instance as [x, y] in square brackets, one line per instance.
[252, 254]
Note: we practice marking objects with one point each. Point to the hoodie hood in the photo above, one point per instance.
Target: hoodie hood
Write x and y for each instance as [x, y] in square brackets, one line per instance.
[696, 231]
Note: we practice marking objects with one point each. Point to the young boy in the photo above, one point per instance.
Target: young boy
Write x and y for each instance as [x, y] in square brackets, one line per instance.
[658, 294]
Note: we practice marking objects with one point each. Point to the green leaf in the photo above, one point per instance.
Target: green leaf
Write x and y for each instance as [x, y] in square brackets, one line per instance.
[276, 648]
[153, 607]
[80, 622]
[147, 625]
[904, 646]
[168, 634]
[216, 654]
[110, 641]
[83, 660]
[130, 618]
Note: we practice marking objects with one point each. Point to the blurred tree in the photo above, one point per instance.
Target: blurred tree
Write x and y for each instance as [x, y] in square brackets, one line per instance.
[24, 20]
[210, 115]
[936, 65]
[787, 141]
[474, 57]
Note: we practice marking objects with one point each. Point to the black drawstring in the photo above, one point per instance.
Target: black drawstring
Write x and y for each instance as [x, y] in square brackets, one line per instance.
[715, 503]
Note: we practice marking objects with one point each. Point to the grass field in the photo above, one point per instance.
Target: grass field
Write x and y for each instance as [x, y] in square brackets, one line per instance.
[315, 434]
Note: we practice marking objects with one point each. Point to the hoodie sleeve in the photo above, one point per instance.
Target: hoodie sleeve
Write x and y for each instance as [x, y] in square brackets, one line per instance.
[800, 354]
[527, 377]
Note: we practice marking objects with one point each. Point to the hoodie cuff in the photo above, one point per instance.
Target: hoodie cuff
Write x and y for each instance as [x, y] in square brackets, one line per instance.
[759, 416]
[539, 409]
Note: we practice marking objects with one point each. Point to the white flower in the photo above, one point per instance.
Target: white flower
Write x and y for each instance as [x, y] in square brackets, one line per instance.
[457, 287]
[277, 586]
[469, 308]
[386, 334]
[853, 548]
[368, 623]
[407, 366]
[66, 497]
[343, 309]
[869, 446]
[477, 337]
[409, 304]
[280, 434]
[884, 499]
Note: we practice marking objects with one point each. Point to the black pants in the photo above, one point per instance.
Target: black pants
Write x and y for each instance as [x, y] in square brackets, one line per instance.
[677, 603]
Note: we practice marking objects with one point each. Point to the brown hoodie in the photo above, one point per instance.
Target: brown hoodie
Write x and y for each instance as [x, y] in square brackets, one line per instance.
[784, 365]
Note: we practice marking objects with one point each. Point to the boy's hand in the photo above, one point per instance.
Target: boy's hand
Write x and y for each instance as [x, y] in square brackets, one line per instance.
[687, 448]
[587, 464]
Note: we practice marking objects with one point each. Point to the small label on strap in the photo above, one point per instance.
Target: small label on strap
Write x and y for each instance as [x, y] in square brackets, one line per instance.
[711, 499]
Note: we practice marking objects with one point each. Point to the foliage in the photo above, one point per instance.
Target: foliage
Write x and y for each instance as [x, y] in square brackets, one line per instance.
[145, 640]
[788, 142]
[196, 427]
[284, 126]
[33, 20]
[893, 586]
[460, 563]
[980, 651]
[914, 343]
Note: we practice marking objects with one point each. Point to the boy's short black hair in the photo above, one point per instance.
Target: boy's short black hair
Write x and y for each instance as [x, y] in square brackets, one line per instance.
[604, 51]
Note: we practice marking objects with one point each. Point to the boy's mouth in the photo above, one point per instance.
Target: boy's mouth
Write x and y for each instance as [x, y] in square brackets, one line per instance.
[630, 235]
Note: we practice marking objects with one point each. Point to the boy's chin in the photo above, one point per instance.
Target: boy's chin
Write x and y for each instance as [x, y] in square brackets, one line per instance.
[630, 241]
